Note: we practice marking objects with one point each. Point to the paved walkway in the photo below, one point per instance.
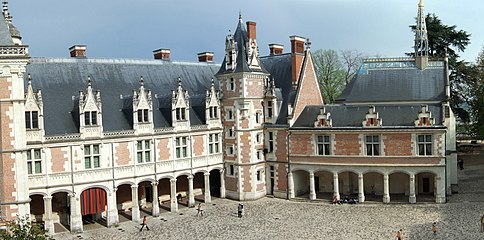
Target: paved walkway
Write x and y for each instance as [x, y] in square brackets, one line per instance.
[271, 218]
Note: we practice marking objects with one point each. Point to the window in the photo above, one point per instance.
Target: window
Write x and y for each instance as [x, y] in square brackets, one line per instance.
[230, 150]
[143, 151]
[324, 145]
[230, 132]
[31, 119]
[271, 142]
[213, 143]
[231, 85]
[90, 118]
[143, 116]
[269, 109]
[213, 112]
[258, 138]
[257, 117]
[230, 170]
[259, 175]
[91, 156]
[424, 143]
[34, 161]
[181, 147]
[258, 154]
[180, 114]
[372, 145]
[230, 114]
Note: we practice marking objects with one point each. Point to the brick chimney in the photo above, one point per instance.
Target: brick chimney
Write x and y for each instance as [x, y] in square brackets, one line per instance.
[162, 54]
[78, 51]
[251, 30]
[297, 57]
[205, 57]
[276, 49]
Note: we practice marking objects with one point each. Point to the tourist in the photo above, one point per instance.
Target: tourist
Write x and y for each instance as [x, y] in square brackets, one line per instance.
[434, 228]
[482, 223]
[400, 234]
[145, 221]
[199, 210]
[335, 200]
[460, 163]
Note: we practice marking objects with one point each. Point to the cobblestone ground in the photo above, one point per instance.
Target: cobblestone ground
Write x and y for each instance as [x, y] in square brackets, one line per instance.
[271, 218]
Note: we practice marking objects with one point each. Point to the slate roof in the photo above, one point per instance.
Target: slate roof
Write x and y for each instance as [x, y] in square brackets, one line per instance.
[61, 80]
[280, 68]
[396, 80]
[396, 115]
[242, 65]
[5, 35]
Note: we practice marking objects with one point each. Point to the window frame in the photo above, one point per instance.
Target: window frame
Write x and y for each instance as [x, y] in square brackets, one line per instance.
[144, 151]
[33, 162]
[270, 141]
[180, 114]
[213, 112]
[375, 145]
[91, 157]
[181, 147]
[425, 144]
[323, 145]
[231, 84]
[90, 118]
[213, 143]
[31, 120]
[143, 116]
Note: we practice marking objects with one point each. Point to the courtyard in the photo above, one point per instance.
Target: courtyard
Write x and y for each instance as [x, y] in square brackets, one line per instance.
[271, 218]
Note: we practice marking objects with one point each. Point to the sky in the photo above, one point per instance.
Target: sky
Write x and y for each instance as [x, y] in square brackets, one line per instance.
[134, 28]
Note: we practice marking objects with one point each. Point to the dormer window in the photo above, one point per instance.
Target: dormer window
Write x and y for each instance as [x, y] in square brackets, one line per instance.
[180, 114]
[269, 109]
[143, 116]
[424, 117]
[32, 120]
[372, 118]
[90, 118]
[213, 112]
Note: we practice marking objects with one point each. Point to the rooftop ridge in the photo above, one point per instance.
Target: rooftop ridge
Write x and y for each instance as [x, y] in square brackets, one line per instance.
[115, 61]
[277, 55]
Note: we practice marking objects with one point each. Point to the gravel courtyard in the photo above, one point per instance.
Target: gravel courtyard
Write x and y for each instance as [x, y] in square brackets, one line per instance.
[271, 218]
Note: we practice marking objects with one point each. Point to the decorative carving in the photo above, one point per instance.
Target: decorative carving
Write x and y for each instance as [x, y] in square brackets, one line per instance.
[424, 117]
[372, 119]
[323, 120]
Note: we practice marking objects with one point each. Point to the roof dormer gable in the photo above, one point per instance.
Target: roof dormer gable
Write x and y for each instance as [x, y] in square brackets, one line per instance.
[213, 96]
[180, 97]
[142, 97]
[33, 99]
[372, 119]
[424, 117]
[89, 100]
[323, 120]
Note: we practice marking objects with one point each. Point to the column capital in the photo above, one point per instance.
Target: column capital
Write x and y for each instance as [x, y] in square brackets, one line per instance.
[311, 173]
[115, 189]
[173, 180]
[412, 176]
[154, 184]
[206, 174]
[47, 198]
[360, 175]
[134, 186]
[190, 176]
[335, 175]
[385, 176]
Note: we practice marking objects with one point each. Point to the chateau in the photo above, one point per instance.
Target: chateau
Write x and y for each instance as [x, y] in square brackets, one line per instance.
[86, 139]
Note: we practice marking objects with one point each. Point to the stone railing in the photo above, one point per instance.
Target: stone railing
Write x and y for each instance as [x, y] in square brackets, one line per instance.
[13, 51]
[67, 137]
[119, 133]
[37, 180]
[34, 135]
[93, 175]
[164, 130]
[198, 127]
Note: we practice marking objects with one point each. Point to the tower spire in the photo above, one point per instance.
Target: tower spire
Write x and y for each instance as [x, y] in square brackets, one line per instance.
[421, 38]
[6, 14]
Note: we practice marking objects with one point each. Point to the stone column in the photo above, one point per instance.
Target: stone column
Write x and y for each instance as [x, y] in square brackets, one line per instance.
[222, 183]
[440, 189]
[156, 202]
[208, 198]
[361, 188]
[76, 216]
[312, 191]
[290, 185]
[412, 198]
[191, 196]
[173, 200]
[336, 186]
[135, 214]
[49, 222]
[112, 218]
[386, 189]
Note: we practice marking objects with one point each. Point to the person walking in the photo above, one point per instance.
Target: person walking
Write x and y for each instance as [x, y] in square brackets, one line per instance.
[400, 234]
[434, 228]
[482, 223]
[199, 210]
[144, 224]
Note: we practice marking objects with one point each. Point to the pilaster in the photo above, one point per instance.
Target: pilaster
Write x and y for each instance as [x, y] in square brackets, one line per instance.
[173, 200]
[156, 202]
[386, 189]
[208, 198]
[135, 213]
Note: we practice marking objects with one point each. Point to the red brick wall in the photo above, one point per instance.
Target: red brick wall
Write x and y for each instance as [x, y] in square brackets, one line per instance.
[347, 144]
[245, 147]
[231, 183]
[309, 92]
[122, 154]
[5, 86]
[164, 149]
[198, 145]
[282, 177]
[281, 145]
[59, 159]
[398, 144]
[301, 144]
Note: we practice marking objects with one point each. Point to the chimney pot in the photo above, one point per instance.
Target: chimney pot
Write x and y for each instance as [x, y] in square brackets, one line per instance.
[297, 44]
[297, 56]
[276, 49]
[205, 57]
[78, 51]
[251, 30]
[162, 54]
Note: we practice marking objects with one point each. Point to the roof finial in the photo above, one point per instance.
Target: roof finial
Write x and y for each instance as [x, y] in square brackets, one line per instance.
[6, 14]
[240, 15]
[141, 81]
[29, 78]
[179, 81]
[420, 4]
[308, 44]
[89, 81]
[421, 37]
[212, 83]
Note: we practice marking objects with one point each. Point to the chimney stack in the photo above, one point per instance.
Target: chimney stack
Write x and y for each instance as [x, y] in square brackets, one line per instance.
[297, 57]
[162, 54]
[78, 51]
[251, 30]
[205, 57]
[276, 49]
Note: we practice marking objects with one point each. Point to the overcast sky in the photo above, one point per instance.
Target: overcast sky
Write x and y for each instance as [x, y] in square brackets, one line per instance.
[134, 28]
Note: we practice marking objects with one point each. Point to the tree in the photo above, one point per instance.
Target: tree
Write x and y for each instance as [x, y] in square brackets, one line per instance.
[334, 71]
[442, 39]
[23, 229]
[477, 99]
